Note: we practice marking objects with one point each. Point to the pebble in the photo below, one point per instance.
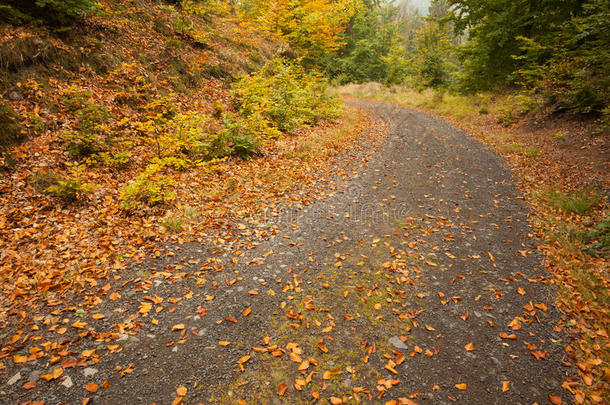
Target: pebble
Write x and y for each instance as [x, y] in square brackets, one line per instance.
[90, 371]
[14, 379]
[67, 382]
[34, 375]
[397, 343]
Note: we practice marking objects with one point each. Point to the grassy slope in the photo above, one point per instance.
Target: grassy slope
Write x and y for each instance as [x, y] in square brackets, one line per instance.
[564, 172]
[120, 63]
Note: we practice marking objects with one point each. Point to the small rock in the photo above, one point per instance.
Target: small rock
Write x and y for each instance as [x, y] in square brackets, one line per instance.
[67, 382]
[34, 375]
[14, 379]
[90, 371]
[397, 343]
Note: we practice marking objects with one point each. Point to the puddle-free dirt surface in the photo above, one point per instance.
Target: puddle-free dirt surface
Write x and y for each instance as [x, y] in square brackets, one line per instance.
[415, 279]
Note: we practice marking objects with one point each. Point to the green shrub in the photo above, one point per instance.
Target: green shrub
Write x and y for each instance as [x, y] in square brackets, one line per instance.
[75, 98]
[91, 134]
[283, 93]
[70, 189]
[150, 188]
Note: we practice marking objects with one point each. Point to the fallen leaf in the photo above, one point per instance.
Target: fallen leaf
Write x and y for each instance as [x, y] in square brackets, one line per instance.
[91, 387]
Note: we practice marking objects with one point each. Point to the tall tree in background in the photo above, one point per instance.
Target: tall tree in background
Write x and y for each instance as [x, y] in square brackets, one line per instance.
[312, 27]
[372, 34]
[493, 27]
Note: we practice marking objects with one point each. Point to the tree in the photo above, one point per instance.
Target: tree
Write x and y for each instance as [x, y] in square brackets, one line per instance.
[371, 35]
[311, 27]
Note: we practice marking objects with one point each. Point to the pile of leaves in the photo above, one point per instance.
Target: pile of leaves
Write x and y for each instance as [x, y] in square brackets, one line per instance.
[123, 143]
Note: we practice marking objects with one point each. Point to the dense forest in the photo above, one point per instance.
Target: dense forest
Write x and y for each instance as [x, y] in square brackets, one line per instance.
[127, 125]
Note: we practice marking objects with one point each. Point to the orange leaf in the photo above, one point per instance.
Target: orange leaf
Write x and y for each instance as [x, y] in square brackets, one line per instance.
[181, 391]
[29, 385]
[91, 387]
[469, 347]
[247, 311]
[460, 387]
[505, 386]
[281, 389]
[179, 326]
[555, 399]
[53, 374]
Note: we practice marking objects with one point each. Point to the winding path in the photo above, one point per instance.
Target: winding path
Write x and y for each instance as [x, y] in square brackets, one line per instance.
[415, 280]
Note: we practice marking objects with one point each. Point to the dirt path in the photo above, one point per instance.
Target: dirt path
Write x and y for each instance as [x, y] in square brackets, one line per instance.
[415, 280]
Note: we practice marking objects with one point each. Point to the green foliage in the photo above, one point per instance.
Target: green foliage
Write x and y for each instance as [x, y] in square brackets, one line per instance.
[152, 187]
[237, 138]
[115, 160]
[55, 13]
[75, 98]
[433, 56]
[571, 69]
[282, 96]
[598, 239]
[91, 134]
[557, 48]
[578, 202]
[370, 49]
[72, 188]
[172, 222]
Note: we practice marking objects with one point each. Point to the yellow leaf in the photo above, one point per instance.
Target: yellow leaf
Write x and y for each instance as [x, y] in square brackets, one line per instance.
[224, 343]
[505, 386]
[79, 324]
[53, 374]
[243, 360]
[181, 391]
[179, 326]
